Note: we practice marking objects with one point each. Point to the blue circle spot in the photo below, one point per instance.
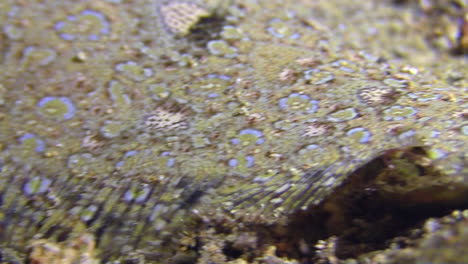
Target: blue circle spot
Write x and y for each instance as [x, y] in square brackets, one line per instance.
[232, 162]
[254, 132]
[170, 162]
[66, 101]
[36, 185]
[126, 155]
[40, 146]
[365, 134]
[235, 141]
[103, 30]
[250, 160]
[212, 95]
[311, 146]
[312, 104]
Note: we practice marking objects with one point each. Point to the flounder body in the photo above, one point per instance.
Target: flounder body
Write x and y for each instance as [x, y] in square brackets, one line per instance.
[108, 129]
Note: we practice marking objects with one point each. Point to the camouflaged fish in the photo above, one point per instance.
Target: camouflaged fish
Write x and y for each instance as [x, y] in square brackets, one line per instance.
[114, 122]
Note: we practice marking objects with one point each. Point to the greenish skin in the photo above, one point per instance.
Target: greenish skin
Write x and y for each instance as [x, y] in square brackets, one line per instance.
[233, 131]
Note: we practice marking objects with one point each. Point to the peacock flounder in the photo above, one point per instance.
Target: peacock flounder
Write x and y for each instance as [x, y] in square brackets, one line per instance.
[119, 120]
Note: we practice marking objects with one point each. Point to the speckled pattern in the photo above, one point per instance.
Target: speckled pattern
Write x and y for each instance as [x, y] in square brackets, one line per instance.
[112, 123]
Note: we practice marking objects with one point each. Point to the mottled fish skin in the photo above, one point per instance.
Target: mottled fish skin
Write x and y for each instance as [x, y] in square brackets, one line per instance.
[106, 128]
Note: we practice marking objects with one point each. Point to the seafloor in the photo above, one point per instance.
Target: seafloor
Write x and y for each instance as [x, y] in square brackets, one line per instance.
[233, 131]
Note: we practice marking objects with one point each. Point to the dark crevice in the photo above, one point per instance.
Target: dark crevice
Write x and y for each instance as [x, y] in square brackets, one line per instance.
[231, 251]
[192, 198]
[206, 29]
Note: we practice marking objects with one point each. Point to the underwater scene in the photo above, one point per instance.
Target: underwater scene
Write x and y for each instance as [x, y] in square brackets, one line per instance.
[233, 131]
